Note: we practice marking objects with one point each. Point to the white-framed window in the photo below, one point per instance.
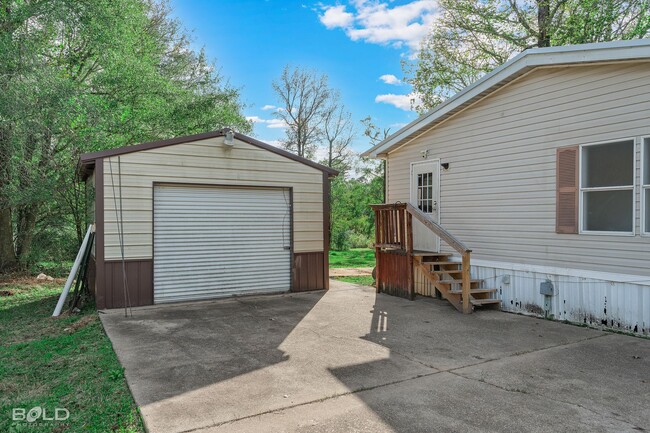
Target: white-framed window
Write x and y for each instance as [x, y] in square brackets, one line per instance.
[645, 186]
[607, 174]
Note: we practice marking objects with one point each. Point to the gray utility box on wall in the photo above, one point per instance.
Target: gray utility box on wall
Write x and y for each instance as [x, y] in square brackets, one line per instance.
[546, 288]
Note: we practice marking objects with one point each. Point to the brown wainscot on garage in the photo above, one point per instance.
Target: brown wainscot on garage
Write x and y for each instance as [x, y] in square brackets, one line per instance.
[206, 216]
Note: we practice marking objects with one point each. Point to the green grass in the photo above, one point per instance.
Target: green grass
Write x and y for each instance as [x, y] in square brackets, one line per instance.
[65, 362]
[364, 280]
[354, 258]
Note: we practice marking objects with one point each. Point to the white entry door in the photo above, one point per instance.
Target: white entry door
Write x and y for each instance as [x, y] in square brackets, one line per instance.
[425, 195]
[211, 242]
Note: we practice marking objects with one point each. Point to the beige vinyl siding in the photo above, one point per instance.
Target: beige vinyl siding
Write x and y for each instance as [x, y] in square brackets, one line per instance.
[206, 162]
[498, 196]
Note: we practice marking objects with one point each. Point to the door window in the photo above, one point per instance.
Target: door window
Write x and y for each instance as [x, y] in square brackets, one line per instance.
[425, 192]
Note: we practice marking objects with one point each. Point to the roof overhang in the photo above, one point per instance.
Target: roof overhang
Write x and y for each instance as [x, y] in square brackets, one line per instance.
[514, 68]
[87, 160]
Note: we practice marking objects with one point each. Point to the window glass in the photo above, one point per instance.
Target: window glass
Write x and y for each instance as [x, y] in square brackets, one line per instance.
[647, 211]
[610, 164]
[609, 211]
[425, 192]
[646, 162]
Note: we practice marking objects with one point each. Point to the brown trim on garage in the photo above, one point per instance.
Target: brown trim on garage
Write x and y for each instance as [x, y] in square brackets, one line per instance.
[327, 196]
[309, 271]
[87, 160]
[139, 274]
[100, 270]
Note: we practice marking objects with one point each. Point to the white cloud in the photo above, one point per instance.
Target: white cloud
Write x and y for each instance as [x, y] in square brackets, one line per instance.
[390, 79]
[254, 119]
[270, 123]
[403, 102]
[269, 107]
[377, 22]
[336, 16]
[275, 123]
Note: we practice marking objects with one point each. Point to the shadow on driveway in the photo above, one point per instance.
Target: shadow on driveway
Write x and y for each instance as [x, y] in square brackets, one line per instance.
[351, 360]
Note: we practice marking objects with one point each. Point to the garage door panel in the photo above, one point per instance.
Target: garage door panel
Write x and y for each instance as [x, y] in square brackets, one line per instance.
[214, 242]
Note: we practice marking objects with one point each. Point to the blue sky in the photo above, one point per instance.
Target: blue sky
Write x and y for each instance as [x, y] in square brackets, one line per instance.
[354, 43]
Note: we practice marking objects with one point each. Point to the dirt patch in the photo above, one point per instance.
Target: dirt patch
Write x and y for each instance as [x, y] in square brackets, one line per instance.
[18, 280]
[84, 321]
[350, 272]
[535, 309]
[6, 292]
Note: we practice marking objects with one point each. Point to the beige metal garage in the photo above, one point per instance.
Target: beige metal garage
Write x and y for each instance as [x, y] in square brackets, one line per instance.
[206, 216]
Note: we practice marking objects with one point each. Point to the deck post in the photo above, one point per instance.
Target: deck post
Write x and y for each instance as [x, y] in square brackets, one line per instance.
[467, 308]
[377, 249]
[409, 252]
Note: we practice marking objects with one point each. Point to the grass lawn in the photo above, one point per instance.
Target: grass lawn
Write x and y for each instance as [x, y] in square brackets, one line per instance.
[364, 280]
[354, 258]
[66, 362]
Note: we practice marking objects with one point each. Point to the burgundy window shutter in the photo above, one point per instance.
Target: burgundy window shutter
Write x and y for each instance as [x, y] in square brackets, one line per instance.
[566, 211]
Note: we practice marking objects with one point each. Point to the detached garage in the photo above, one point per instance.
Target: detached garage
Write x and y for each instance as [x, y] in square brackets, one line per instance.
[206, 216]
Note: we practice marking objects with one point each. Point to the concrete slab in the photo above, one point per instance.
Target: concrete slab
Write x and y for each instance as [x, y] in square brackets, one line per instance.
[351, 360]
[608, 376]
[442, 402]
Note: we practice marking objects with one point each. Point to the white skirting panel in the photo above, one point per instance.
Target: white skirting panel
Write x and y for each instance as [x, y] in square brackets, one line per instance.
[623, 306]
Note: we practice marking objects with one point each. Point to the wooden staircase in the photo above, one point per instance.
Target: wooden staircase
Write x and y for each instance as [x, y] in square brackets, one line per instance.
[446, 276]
[396, 260]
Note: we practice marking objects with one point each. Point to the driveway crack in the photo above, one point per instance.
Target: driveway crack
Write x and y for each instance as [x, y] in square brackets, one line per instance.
[546, 397]
[320, 400]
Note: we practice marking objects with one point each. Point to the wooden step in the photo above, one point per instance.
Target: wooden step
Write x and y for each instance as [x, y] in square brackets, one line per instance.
[431, 254]
[460, 281]
[442, 263]
[448, 271]
[473, 291]
[479, 302]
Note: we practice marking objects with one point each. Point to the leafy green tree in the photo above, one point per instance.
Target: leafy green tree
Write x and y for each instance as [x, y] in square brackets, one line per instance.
[353, 221]
[83, 76]
[472, 37]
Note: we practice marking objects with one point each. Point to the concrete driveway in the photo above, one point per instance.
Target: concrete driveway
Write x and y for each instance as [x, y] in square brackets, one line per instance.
[350, 360]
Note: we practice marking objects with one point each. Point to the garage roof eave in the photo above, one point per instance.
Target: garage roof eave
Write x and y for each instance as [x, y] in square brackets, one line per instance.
[86, 163]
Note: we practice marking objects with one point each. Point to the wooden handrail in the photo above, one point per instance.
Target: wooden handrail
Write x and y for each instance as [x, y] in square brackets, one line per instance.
[387, 236]
[382, 206]
[437, 229]
[425, 219]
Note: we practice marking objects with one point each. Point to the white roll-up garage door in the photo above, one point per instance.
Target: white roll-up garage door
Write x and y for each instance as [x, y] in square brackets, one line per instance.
[211, 242]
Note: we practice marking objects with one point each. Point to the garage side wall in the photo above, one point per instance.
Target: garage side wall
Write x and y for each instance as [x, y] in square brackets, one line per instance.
[205, 162]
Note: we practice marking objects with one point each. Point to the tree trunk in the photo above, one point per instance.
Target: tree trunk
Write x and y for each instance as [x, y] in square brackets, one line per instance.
[543, 23]
[330, 159]
[25, 231]
[25, 214]
[8, 261]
